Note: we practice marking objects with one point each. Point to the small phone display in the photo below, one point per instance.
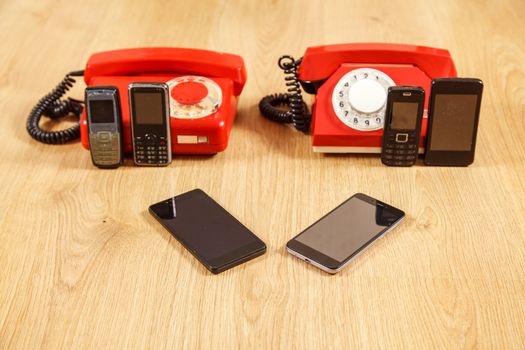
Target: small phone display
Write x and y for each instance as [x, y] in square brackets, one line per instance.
[402, 130]
[404, 115]
[150, 124]
[338, 237]
[207, 230]
[453, 121]
[149, 108]
[104, 126]
[102, 111]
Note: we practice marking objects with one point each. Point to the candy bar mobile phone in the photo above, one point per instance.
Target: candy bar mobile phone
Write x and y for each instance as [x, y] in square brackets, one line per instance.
[404, 113]
[104, 126]
[150, 123]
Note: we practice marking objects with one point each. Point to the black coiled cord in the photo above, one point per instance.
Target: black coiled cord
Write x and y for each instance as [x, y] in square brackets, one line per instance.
[298, 113]
[53, 107]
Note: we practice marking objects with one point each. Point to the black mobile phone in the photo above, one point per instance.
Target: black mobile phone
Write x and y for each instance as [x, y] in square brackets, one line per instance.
[404, 112]
[342, 234]
[150, 123]
[104, 123]
[207, 230]
[453, 115]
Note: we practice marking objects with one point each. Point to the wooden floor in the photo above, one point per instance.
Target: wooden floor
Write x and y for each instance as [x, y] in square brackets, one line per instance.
[83, 265]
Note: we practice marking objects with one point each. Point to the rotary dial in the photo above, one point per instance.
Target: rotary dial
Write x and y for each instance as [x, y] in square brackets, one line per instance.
[193, 97]
[359, 98]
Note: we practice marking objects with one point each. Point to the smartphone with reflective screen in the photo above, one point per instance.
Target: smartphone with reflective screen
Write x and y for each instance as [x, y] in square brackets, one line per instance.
[341, 235]
[453, 115]
[217, 239]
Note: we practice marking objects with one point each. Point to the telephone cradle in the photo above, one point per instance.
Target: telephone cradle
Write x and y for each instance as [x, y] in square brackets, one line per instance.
[204, 88]
[351, 83]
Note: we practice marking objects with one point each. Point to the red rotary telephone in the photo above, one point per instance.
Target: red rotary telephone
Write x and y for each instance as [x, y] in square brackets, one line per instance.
[351, 83]
[204, 87]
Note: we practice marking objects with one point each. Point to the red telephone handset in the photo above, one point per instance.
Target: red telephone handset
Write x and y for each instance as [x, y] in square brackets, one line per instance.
[351, 83]
[320, 62]
[204, 86]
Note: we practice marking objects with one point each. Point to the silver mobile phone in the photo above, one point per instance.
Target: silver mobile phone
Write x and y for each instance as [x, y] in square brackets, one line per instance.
[342, 234]
[104, 126]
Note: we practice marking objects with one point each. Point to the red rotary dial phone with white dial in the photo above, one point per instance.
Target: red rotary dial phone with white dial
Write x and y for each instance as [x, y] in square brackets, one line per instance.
[351, 83]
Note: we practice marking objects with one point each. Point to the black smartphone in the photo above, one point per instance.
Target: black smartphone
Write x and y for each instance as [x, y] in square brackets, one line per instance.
[150, 123]
[104, 123]
[207, 230]
[404, 112]
[453, 115]
[342, 234]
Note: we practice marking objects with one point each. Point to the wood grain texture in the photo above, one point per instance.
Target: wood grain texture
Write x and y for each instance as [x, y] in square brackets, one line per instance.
[83, 265]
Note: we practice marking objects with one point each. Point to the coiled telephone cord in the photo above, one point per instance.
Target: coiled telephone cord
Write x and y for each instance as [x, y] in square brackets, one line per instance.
[54, 107]
[298, 113]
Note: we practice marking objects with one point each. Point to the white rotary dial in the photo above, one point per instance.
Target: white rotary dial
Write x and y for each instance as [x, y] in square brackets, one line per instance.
[359, 98]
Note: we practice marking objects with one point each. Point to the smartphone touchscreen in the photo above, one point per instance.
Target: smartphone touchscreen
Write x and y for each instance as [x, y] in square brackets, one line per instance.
[207, 230]
[338, 237]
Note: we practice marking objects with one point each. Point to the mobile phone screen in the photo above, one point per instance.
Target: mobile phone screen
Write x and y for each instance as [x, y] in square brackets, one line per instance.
[454, 117]
[149, 107]
[102, 111]
[207, 230]
[404, 115]
[346, 230]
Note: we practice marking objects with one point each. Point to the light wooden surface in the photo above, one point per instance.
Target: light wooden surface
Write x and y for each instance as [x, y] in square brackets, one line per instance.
[83, 265]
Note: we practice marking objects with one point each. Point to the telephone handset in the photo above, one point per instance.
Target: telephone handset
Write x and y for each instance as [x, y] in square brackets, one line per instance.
[351, 83]
[203, 90]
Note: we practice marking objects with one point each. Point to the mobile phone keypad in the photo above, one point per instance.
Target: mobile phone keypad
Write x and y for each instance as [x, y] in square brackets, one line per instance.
[151, 150]
[400, 149]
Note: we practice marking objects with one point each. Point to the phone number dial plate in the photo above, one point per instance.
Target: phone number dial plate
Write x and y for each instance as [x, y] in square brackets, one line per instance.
[359, 98]
[193, 97]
